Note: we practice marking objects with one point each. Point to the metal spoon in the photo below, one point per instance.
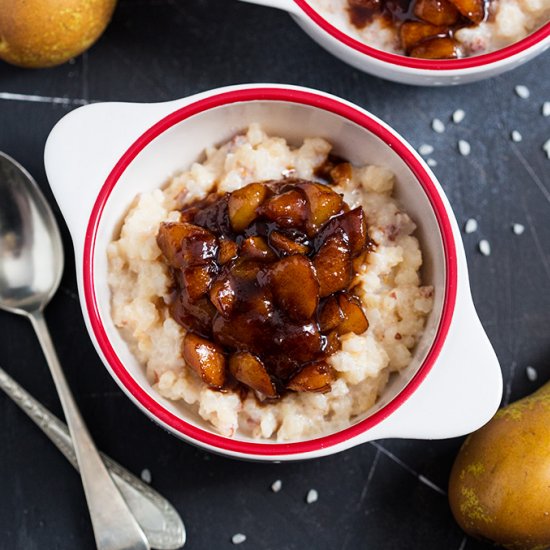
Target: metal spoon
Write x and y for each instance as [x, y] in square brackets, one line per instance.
[31, 264]
[159, 520]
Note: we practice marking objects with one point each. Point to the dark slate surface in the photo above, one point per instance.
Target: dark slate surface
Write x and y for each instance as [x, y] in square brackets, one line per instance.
[371, 496]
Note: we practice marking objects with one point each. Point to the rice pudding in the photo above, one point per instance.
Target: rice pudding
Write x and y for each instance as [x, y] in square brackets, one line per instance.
[272, 289]
[436, 29]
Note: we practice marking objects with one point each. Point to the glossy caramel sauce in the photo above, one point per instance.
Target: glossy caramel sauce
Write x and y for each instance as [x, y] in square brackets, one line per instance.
[262, 282]
[426, 28]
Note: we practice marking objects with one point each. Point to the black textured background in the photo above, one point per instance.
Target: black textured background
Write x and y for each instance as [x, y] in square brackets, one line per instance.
[369, 497]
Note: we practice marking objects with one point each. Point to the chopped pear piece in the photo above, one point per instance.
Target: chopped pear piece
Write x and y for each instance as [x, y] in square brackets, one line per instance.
[295, 287]
[245, 269]
[330, 315]
[474, 10]
[223, 296]
[315, 377]
[286, 245]
[205, 358]
[243, 204]
[436, 48]
[228, 251]
[355, 319]
[197, 280]
[323, 203]
[436, 12]
[414, 32]
[332, 343]
[250, 371]
[288, 209]
[341, 174]
[185, 244]
[333, 265]
[355, 225]
[256, 248]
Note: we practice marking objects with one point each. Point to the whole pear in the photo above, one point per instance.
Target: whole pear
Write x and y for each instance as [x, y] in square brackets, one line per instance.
[499, 487]
[44, 33]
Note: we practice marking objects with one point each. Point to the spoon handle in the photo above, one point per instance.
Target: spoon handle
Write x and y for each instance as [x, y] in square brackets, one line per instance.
[115, 528]
[159, 520]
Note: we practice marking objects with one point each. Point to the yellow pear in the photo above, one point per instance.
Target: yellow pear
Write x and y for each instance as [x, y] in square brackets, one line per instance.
[44, 33]
[500, 482]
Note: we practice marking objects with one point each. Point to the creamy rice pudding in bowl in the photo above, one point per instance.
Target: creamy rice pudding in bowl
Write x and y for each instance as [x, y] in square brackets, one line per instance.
[271, 272]
[426, 42]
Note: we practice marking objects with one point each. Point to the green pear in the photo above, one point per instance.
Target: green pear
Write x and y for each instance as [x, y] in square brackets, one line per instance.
[499, 487]
[44, 33]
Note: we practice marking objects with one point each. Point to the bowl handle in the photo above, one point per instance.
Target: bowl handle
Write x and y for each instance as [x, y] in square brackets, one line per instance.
[286, 5]
[461, 392]
[85, 145]
[83, 148]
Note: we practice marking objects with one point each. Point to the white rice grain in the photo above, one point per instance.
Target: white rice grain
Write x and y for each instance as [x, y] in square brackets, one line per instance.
[458, 116]
[438, 126]
[516, 136]
[522, 91]
[238, 538]
[470, 226]
[276, 486]
[312, 496]
[484, 247]
[531, 373]
[425, 149]
[146, 475]
[518, 228]
[464, 147]
[546, 108]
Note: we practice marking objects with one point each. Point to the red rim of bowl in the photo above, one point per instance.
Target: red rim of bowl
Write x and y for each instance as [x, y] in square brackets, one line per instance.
[293, 96]
[426, 64]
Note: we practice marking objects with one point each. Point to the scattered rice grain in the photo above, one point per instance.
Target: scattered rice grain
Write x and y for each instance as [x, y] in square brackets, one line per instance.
[516, 136]
[238, 538]
[458, 116]
[432, 162]
[438, 126]
[522, 91]
[517, 228]
[546, 108]
[531, 373]
[276, 486]
[425, 149]
[464, 147]
[470, 226]
[146, 475]
[546, 148]
[484, 247]
[312, 496]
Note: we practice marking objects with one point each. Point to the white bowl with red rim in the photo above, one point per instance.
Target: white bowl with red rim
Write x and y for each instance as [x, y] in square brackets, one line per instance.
[100, 156]
[409, 70]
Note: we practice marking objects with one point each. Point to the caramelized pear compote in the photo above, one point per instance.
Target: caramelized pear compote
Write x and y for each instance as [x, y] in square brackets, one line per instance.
[426, 27]
[263, 283]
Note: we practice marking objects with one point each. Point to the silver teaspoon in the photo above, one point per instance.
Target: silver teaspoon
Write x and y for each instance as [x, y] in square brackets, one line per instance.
[159, 520]
[31, 264]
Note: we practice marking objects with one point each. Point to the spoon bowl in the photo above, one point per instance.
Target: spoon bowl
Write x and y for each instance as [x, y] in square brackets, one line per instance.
[31, 252]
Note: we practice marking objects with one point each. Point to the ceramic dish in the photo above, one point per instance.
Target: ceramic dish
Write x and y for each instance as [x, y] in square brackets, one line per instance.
[100, 156]
[408, 70]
